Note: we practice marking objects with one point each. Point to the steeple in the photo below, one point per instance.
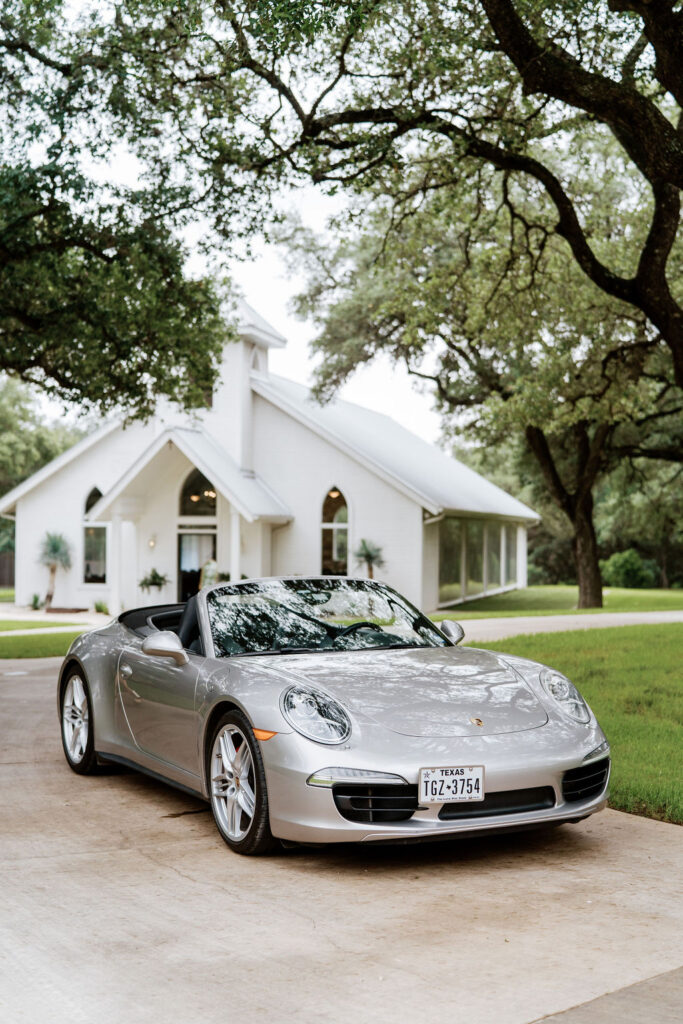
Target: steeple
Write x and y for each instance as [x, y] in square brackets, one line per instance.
[230, 418]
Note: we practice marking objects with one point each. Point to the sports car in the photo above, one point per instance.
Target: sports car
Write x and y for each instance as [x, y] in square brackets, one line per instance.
[327, 710]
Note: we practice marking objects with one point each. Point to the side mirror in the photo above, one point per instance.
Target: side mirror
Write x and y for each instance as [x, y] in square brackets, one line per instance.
[165, 644]
[452, 629]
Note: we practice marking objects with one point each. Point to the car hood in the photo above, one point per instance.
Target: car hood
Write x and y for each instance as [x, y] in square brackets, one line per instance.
[435, 691]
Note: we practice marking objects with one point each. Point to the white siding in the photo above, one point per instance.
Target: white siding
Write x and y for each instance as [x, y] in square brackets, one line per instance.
[57, 506]
[430, 567]
[301, 467]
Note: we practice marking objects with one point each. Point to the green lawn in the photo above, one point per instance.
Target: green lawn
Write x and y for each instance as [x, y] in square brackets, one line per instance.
[631, 677]
[7, 594]
[44, 645]
[8, 624]
[562, 600]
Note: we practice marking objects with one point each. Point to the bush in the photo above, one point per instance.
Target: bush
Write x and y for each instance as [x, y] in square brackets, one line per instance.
[551, 559]
[101, 606]
[628, 569]
[36, 602]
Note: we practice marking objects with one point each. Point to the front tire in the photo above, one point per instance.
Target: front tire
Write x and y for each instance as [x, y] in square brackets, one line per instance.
[78, 734]
[237, 784]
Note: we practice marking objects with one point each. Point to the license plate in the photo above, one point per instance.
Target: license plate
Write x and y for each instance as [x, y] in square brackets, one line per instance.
[452, 785]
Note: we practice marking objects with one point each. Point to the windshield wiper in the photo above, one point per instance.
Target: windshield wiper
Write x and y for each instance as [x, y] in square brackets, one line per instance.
[291, 650]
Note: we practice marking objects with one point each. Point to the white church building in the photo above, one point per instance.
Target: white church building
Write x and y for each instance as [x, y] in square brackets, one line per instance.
[263, 482]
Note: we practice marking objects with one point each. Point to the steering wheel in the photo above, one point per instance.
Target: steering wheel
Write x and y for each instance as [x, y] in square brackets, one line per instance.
[358, 625]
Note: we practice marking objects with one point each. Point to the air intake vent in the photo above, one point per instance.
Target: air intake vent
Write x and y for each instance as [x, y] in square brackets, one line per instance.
[585, 782]
[375, 803]
[511, 801]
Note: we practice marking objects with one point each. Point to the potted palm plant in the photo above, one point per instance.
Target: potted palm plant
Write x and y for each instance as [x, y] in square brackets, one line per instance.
[55, 553]
[370, 555]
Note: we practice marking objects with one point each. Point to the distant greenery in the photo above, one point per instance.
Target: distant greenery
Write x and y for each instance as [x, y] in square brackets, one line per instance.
[7, 595]
[44, 645]
[631, 678]
[628, 569]
[27, 442]
[562, 600]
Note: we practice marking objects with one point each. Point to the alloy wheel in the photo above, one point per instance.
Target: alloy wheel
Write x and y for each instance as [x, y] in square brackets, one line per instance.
[232, 782]
[75, 719]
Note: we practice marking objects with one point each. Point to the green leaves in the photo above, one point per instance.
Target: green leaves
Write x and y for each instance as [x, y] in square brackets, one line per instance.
[55, 551]
[96, 305]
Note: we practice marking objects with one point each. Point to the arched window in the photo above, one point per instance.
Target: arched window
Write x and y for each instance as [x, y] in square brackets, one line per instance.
[92, 498]
[335, 534]
[198, 496]
[94, 545]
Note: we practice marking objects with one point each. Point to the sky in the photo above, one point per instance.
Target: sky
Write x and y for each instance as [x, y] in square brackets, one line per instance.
[267, 286]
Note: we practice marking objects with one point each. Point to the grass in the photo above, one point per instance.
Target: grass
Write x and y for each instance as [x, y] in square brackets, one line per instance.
[44, 645]
[631, 677]
[8, 624]
[562, 600]
[7, 594]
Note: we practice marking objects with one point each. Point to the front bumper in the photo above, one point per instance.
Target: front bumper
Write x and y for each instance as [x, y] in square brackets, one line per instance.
[536, 758]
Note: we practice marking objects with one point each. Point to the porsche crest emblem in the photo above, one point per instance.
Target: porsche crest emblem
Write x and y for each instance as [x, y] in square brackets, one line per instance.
[476, 721]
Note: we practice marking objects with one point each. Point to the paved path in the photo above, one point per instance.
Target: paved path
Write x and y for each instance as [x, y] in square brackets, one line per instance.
[121, 903]
[477, 630]
[22, 613]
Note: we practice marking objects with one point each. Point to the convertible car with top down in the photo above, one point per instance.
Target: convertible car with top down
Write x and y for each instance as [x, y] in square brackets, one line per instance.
[328, 710]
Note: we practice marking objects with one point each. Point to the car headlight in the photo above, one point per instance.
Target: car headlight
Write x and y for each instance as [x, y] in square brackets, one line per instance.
[315, 715]
[565, 694]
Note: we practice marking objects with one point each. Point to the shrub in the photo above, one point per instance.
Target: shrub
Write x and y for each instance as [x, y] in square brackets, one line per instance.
[101, 606]
[35, 602]
[628, 569]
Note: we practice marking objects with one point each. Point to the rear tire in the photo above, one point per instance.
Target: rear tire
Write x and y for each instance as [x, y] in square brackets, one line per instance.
[78, 733]
[237, 786]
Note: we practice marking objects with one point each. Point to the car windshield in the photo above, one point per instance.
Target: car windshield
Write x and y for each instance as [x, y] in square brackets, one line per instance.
[302, 615]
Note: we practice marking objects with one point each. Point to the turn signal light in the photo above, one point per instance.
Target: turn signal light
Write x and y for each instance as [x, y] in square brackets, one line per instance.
[263, 734]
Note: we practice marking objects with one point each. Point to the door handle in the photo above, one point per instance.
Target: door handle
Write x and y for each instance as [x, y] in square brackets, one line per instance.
[126, 671]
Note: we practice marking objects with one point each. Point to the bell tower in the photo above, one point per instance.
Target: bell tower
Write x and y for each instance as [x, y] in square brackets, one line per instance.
[230, 418]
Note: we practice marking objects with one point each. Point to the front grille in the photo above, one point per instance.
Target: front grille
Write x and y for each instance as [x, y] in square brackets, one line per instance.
[585, 782]
[511, 801]
[375, 803]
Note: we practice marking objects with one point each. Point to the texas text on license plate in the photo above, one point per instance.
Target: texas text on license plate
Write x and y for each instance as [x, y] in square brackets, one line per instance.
[448, 785]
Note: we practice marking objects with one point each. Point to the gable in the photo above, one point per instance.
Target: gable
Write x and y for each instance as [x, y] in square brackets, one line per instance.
[433, 479]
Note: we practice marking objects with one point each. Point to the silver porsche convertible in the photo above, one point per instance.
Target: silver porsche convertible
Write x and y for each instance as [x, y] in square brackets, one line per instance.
[330, 710]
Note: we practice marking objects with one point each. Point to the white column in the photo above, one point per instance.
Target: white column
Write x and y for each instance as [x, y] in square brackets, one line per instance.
[235, 546]
[504, 555]
[485, 556]
[114, 566]
[521, 557]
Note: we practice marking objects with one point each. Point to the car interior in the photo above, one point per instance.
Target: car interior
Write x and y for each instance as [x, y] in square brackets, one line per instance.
[176, 618]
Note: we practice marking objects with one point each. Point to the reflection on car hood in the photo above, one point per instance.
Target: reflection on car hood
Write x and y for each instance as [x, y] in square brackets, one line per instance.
[435, 691]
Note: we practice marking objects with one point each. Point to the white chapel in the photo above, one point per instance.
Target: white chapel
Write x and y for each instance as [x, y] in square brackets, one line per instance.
[263, 482]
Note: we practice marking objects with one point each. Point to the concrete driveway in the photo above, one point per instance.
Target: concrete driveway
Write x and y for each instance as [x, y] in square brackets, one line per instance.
[121, 904]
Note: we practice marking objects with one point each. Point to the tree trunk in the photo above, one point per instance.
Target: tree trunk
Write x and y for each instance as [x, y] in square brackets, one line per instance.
[663, 569]
[585, 547]
[51, 586]
[371, 571]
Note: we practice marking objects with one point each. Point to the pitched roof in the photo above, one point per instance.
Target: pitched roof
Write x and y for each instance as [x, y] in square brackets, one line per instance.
[252, 326]
[250, 496]
[9, 500]
[438, 481]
